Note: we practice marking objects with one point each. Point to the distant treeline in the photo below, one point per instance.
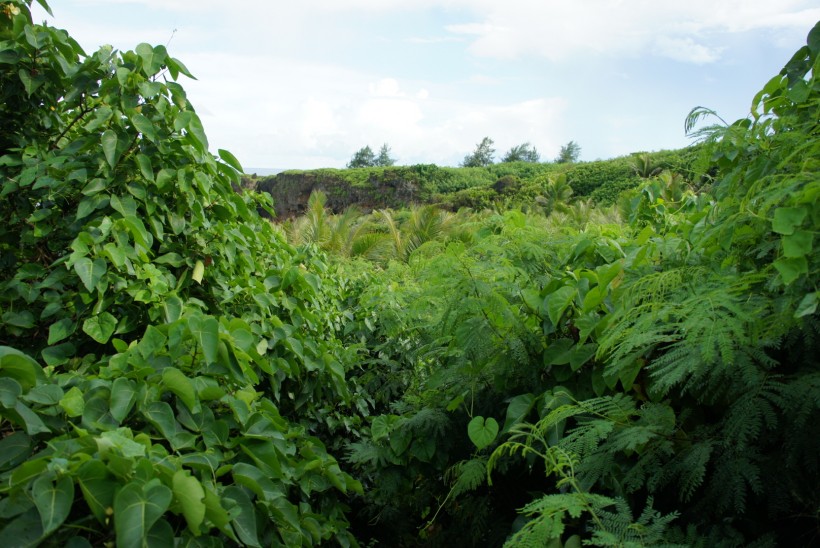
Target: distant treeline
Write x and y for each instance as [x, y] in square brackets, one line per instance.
[456, 187]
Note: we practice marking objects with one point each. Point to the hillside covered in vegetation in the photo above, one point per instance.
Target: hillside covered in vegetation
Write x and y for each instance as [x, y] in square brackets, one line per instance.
[176, 370]
[505, 185]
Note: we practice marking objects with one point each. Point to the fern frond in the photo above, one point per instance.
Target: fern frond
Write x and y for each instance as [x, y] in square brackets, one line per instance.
[469, 475]
[428, 423]
[369, 454]
[688, 469]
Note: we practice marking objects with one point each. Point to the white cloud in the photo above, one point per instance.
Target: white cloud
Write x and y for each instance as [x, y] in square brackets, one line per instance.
[386, 87]
[318, 121]
[677, 29]
[686, 50]
[392, 116]
[434, 40]
[319, 115]
[555, 29]
[269, 92]
[480, 29]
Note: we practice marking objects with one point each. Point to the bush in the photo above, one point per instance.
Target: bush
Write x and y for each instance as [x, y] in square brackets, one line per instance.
[169, 366]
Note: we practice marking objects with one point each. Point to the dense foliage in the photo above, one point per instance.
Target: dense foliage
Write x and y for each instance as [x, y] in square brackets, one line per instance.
[474, 187]
[653, 383]
[544, 372]
[168, 364]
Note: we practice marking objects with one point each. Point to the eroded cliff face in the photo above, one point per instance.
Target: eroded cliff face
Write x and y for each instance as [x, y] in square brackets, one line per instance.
[389, 188]
[401, 186]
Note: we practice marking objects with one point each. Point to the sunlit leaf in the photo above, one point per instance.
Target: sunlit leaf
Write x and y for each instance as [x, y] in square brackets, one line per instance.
[179, 384]
[190, 495]
[73, 402]
[90, 272]
[100, 327]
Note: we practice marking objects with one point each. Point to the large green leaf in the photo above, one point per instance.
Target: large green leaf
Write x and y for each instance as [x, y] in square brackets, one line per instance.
[160, 414]
[216, 514]
[786, 219]
[22, 318]
[60, 330]
[53, 500]
[122, 440]
[19, 367]
[58, 354]
[380, 428]
[196, 131]
[206, 332]
[144, 164]
[13, 447]
[176, 381]
[254, 479]
[124, 205]
[98, 488]
[517, 410]
[109, 146]
[482, 432]
[162, 535]
[136, 508]
[244, 515]
[808, 305]
[791, 268]
[138, 231]
[172, 307]
[44, 394]
[152, 341]
[31, 420]
[73, 402]
[191, 498]
[90, 272]
[558, 301]
[230, 159]
[146, 53]
[100, 327]
[24, 531]
[144, 126]
[123, 396]
[265, 455]
[798, 244]
[10, 390]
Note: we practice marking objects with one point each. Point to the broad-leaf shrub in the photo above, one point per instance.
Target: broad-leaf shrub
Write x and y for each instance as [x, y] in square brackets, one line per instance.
[168, 363]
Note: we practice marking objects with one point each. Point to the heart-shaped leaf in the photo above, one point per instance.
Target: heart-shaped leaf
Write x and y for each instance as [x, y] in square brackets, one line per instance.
[482, 432]
[53, 500]
[100, 327]
[136, 509]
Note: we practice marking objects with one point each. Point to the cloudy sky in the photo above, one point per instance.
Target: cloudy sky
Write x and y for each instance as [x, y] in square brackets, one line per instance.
[305, 83]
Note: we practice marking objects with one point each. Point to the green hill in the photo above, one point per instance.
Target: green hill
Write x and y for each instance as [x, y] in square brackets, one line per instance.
[455, 187]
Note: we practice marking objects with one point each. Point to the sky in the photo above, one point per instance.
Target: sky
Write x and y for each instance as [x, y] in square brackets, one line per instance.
[304, 84]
